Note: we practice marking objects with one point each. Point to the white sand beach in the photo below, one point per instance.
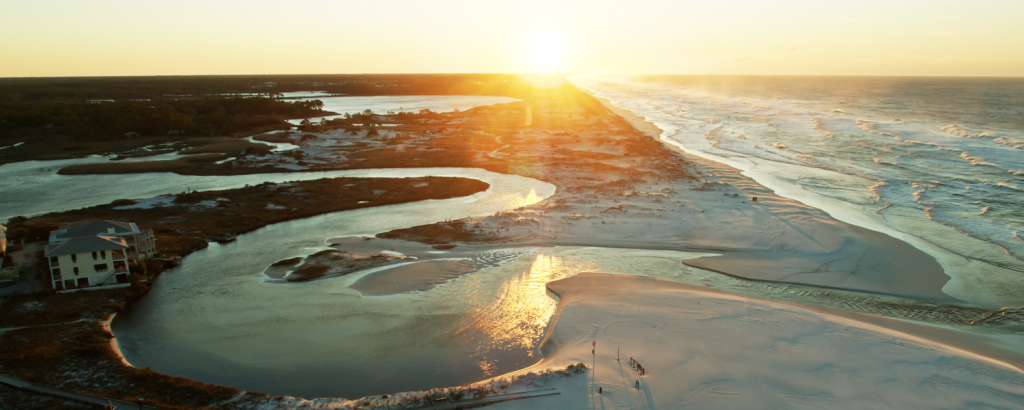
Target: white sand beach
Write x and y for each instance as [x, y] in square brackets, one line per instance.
[703, 349]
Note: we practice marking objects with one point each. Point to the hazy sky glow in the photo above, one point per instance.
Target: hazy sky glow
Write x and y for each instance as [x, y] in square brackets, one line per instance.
[866, 37]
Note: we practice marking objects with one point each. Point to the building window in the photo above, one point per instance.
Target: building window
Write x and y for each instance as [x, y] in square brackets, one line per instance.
[100, 267]
[94, 256]
[74, 258]
[54, 261]
[103, 254]
[56, 274]
[76, 270]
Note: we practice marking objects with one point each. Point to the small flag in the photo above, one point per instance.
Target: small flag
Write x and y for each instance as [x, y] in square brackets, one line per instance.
[591, 351]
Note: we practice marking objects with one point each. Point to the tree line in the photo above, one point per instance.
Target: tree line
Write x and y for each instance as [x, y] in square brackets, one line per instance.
[114, 119]
[118, 88]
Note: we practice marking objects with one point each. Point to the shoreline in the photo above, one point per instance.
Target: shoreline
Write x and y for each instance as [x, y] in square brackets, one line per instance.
[699, 322]
[627, 221]
[953, 265]
[113, 340]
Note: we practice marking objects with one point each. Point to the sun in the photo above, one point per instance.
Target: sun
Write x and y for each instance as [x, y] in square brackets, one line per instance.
[545, 51]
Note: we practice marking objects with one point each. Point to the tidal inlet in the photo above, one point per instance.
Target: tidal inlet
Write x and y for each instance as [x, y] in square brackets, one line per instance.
[462, 205]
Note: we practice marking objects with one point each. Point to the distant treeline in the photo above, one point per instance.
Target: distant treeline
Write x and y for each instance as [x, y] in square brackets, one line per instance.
[118, 88]
[98, 108]
[114, 119]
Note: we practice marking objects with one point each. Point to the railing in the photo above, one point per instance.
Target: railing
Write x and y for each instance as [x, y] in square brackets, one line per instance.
[106, 281]
[120, 270]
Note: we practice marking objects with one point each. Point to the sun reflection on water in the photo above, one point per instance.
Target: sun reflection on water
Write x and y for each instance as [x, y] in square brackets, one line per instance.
[516, 319]
[517, 200]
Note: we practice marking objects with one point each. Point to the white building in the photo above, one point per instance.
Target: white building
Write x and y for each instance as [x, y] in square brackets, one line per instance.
[141, 244]
[96, 253]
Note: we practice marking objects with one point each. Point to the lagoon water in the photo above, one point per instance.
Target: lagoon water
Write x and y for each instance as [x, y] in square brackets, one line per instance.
[218, 319]
[937, 162]
[34, 187]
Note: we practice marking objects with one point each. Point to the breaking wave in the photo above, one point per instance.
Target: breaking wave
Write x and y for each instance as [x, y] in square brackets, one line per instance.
[953, 129]
[895, 147]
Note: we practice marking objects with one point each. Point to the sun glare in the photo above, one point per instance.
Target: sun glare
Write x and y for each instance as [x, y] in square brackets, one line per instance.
[545, 50]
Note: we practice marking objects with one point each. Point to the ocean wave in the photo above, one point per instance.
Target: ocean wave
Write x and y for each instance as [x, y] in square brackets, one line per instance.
[712, 135]
[1005, 185]
[1007, 251]
[1010, 142]
[933, 144]
[870, 128]
[792, 126]
[953, 129]
[816, 123]
[874, 189]
[975, 160]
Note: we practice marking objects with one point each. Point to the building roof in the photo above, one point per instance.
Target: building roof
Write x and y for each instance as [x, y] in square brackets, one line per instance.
[85, 244]
[94, 228]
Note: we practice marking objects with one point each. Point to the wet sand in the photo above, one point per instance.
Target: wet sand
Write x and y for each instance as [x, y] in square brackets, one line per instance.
[413, 277]
[780, 239]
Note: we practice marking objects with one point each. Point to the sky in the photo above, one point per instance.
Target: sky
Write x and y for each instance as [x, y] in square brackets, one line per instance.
[778, 37]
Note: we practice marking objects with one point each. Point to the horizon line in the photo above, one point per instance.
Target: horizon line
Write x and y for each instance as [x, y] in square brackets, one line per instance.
[512, 73]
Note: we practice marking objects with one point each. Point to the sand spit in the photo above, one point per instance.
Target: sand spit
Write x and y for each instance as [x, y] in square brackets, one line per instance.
[413, 277]
[325, 264]
[707, 349]
[105, 324]
[524, 387]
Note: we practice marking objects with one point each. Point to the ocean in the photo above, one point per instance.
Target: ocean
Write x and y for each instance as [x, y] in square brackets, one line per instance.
[937, 162]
